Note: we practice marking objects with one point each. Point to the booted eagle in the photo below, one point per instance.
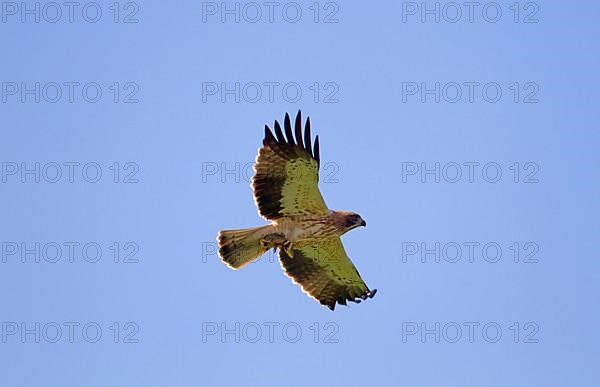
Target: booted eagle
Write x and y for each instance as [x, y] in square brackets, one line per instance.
[306, 232]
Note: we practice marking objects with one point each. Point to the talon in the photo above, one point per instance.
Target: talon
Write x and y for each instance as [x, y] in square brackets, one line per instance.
[273, 240]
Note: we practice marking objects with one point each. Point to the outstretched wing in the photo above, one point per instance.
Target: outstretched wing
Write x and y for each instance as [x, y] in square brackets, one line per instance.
[325, 273]
[287, 173]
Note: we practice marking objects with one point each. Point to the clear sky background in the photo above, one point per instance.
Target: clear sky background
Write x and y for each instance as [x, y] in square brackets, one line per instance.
[173, 314]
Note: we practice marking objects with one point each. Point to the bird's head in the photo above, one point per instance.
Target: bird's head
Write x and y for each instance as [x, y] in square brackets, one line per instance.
[347, 220]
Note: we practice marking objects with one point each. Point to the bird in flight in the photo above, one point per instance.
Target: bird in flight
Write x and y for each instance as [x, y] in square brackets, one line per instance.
[304, 231]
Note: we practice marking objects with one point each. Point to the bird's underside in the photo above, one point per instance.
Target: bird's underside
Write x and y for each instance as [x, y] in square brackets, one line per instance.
[304, 231]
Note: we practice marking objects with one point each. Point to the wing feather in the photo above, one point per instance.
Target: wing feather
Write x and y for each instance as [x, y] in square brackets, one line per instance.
[326, 273]
[316, 152]
[298, 129]
[279, 133]
[307, 140]
[287, 174]
[288, 130]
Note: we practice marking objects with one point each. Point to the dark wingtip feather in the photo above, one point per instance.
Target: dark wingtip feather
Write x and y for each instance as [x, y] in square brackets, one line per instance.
[288, 129]
[317, 156]
[279, 133]
[367, 294]
[298, 128]
[307, 141]
[284, 140]
[268, 135]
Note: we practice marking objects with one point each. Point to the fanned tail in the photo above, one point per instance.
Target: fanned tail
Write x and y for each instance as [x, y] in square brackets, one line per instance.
[239, 247]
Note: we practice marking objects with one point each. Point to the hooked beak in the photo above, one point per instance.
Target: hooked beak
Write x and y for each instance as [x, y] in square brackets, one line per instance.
[363, 223]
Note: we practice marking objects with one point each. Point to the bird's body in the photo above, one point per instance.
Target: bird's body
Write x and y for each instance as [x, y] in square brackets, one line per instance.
[308, 229]
[306, 232]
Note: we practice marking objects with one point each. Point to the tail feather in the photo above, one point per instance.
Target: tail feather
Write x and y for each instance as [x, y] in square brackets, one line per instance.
[239, 247]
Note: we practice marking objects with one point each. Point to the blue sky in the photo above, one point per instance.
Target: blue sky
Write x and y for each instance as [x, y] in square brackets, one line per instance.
[469, 145]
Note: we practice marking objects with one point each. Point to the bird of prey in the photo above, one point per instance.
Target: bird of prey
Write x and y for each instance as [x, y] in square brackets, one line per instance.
[304, 230]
